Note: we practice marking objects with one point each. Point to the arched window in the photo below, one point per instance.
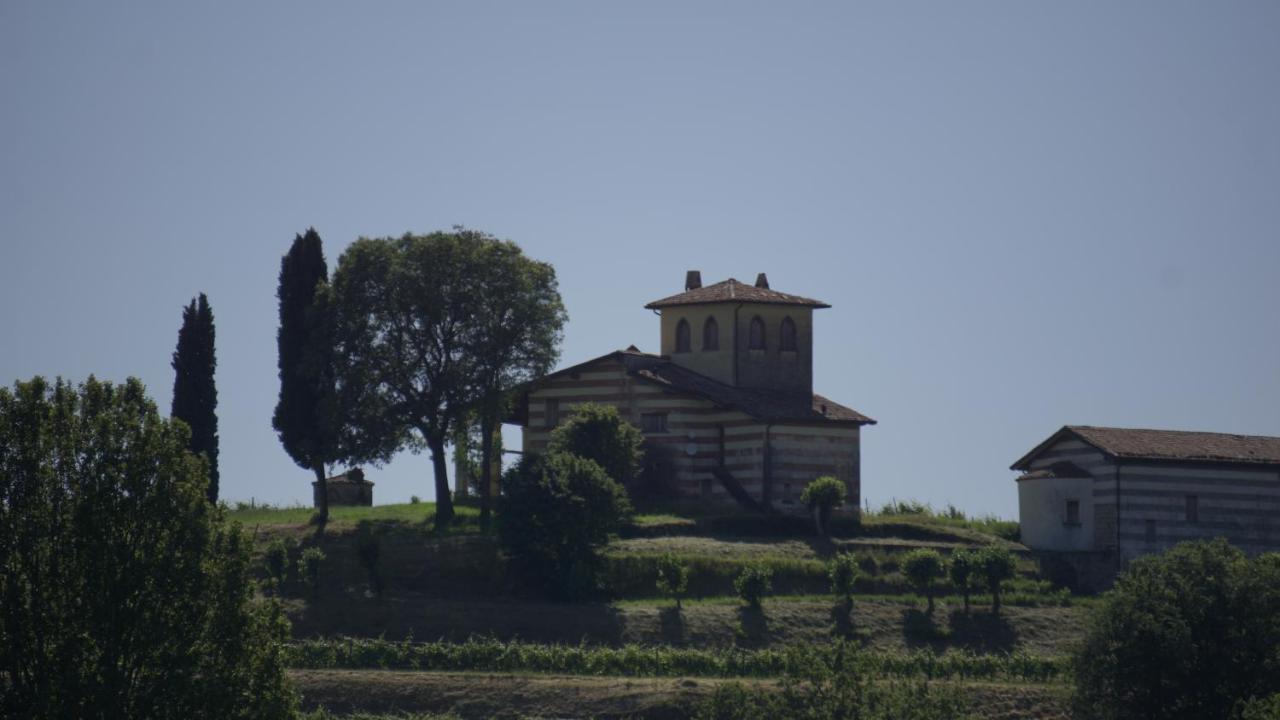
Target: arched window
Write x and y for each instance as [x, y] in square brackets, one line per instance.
[755, 338]
[710, 335]
[787, 335]
[683, 343]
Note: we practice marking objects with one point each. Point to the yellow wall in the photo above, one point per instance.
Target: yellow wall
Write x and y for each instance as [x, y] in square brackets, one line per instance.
[770, 368]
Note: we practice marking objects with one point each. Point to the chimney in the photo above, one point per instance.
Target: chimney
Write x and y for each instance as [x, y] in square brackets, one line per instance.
[692, 280]
[762, 281]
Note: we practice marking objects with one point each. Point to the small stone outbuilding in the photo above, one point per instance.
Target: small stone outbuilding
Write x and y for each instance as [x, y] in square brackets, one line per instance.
[349, 488]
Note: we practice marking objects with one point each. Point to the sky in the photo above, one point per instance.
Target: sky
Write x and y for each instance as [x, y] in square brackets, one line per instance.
[1023, 214]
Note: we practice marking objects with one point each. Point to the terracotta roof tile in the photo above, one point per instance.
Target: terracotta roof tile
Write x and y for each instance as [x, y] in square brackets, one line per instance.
[1180, 444]
[732, 290]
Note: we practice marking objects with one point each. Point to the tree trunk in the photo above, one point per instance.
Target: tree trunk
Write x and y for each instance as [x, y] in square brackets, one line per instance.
[995, 599]
[444, 498]
[486, 467]
[817, 520]
[323, 487]
[966, 602]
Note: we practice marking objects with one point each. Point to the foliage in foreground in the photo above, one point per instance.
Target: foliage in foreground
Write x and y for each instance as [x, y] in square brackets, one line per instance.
[123, 593]
[1191, 633]
[835, 687]
[556, 513]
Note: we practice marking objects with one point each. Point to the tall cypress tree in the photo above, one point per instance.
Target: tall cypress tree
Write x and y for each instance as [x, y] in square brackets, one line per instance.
[195, 398]
[304, 416]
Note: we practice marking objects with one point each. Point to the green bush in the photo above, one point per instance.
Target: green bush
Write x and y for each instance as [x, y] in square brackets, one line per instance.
[556, 512]
[963, 569]
[995, 565]
[1191, 633]
[312, 557]
[278, 560]
[673, 577]
[843, 572]
[599, 433]
[922, 567]
[754, 582]
[824, 492]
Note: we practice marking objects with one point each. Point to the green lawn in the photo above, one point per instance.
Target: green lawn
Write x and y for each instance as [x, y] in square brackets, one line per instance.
[346, 517]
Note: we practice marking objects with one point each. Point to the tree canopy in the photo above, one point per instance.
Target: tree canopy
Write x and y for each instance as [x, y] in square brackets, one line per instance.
[1191, 633]
[123, 593]
[195, 397]
[429, 328]
[306, 412]
[598, 432]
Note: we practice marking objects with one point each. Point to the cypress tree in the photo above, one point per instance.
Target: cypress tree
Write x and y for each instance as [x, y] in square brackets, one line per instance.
[195, 397]
[304, 412]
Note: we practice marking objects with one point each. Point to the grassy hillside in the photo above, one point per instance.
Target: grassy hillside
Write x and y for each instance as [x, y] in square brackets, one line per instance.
[449, 605]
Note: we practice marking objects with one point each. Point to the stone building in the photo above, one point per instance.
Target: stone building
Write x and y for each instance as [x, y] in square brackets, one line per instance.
[1097, 497]
[349, 488]
[727, 406]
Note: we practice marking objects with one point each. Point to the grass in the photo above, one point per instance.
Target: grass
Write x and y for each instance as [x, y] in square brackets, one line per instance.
[345, 517]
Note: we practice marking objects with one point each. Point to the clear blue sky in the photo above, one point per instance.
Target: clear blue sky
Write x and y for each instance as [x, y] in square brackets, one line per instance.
[1024, 214]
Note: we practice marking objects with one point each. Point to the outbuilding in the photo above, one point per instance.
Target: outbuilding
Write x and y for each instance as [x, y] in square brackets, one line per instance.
[1102, 496]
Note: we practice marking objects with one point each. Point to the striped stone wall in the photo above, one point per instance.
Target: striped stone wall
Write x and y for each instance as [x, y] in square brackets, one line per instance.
[700, 436]
[1159, 504]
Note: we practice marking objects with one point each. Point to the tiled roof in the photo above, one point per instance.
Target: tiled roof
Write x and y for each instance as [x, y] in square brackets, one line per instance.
[1167, 445]
[760, 404]
[1180, 445]
[732, 290]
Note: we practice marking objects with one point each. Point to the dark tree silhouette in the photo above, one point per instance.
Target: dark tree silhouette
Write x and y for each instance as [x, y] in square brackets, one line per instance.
[195, 397]
[306, 410]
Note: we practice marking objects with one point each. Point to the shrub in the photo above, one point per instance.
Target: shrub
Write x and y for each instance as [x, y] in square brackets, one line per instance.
[843, 572]
[312, 557]
[555, 514]
[996, 564]
[673, 577]
[753, 584]
[278, 560]
[598, 432]
[922, 567]
[414, 499]
[822, 495]
[125, 593]
[963, 570]
[1191, 633]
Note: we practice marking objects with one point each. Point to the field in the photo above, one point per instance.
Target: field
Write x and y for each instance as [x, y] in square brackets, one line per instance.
[450, 632]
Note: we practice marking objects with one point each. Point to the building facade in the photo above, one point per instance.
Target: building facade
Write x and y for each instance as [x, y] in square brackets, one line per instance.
[1117, 493]
[727, 407]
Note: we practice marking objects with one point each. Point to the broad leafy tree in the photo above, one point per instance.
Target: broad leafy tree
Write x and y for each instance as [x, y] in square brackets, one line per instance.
[195, 397]
[305, 415]
[403, 308]
[1191, 633]
[513, 340]
[123, 592]
[923, 567]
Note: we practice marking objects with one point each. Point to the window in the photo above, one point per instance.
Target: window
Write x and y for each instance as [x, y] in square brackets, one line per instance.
[1073, 512]
[552, 412]
[653, 422]
[1193, 509]
[710, 335]
[683, 343]
[787, 335]
[755, 337]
